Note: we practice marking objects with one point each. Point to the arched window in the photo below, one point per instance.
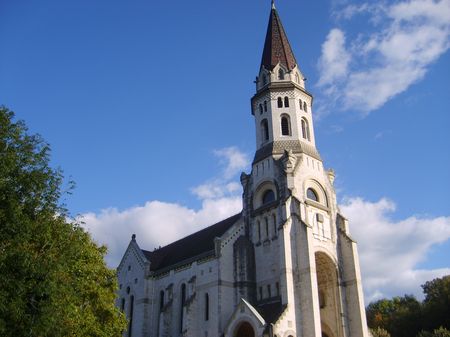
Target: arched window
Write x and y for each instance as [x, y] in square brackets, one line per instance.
[305, 107]
[268, 196]
[206, 307]
[122, 305]
[182, 303]
[305, 129]
[297, 78]
[301, 104]
[265, 130]
[285, 126]
[260, 109]
[281, 74]
[265, 105]
[161, 300]
[312, 195]
[286, 102]
[280, 102]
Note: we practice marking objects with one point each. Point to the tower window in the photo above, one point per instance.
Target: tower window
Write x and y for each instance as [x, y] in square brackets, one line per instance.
[268, 196]
[277, 286]
[260, 109]
[312, 195]
[264, 78]
[281, 74]
[297, 78]
[305, 107]
[285, 126]
[265, 105]
[305, 129]
[280, 102]
[269, 291]
[301, 104]
[286, 102]
[265, 130]
[266, 221]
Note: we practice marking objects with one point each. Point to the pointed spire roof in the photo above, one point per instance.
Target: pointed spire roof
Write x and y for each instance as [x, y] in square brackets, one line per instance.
[277, 47]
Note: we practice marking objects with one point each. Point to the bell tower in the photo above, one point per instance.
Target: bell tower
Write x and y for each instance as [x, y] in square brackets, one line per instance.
[306, 263]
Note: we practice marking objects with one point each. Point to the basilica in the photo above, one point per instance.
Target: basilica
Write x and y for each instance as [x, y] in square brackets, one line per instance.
[286, 265]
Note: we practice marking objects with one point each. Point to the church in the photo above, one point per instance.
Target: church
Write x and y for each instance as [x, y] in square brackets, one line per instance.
[286, 265]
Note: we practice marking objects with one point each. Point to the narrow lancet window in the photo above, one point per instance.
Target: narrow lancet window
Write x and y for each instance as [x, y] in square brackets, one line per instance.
[305, 129]
[265, 130]
[265, 106]
[280, 102]
[286, 102]
[281, 74]
[206, 307]
[161, 300]
[182, 302]
[285, 126]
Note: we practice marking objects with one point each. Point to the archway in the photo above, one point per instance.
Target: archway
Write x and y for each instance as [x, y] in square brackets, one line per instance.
[328, 292]
[245, 330]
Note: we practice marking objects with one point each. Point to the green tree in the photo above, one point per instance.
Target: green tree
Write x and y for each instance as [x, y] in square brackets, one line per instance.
[53, 279]
[400, 316]
[437, 303]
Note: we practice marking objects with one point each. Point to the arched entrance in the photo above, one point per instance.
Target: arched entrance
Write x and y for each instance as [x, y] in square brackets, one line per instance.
[327, 284]
[244, 330]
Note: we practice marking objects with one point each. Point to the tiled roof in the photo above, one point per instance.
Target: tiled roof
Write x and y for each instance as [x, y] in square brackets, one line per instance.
[277, 47]
[195, 245]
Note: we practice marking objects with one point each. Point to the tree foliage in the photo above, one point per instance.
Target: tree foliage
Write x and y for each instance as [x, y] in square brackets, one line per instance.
[53, 279]
[407, 317]
[379, 332]
[441, 332]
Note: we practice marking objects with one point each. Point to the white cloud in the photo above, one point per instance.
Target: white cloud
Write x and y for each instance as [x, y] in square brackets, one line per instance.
[335, 58]
[233, 159]
[390, 251]
[380, 64]
[158, 223]
[155, 223]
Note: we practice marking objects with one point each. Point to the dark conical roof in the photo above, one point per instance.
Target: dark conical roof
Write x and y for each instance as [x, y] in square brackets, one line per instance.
[277, 47]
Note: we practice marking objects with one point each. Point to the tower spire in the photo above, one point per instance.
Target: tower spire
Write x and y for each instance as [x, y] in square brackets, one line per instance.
[276, 46]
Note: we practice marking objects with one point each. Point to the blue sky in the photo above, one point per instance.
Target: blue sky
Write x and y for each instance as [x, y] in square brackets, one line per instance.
[146, 106]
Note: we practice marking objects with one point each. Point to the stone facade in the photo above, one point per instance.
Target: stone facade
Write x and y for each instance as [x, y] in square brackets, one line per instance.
[286, 265]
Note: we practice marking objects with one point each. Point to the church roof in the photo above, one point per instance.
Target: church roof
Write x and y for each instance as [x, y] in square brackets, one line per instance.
[277, 47]
[197, 245]
[271, 311]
